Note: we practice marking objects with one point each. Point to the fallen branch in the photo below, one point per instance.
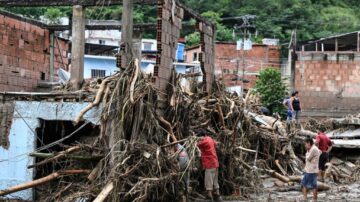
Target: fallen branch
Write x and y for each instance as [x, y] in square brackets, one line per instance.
[105, 192]
[277, 163]
[133, 80]
[168, 127]
[96, 102]
[59, 155]
[41, 181]
[221, 114]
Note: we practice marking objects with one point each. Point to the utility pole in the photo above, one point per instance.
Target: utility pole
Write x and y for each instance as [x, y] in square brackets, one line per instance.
[77, 47]
[244, 27]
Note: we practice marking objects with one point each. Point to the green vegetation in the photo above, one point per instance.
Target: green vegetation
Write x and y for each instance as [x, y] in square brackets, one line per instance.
[272, 90]
[275, 18]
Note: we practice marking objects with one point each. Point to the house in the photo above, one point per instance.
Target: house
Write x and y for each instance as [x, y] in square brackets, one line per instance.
[27, 119]
[229, 62]
[25, 53]
[327, 75]
[104, 63]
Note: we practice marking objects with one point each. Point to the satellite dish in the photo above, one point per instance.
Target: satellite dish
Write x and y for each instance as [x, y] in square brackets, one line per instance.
[64, 76]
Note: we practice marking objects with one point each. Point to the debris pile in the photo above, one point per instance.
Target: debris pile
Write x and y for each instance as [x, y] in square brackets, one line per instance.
[134, 156]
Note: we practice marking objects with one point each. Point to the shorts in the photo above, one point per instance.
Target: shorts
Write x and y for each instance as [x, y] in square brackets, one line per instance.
[211, 179]
[324, 157]
[309, 181]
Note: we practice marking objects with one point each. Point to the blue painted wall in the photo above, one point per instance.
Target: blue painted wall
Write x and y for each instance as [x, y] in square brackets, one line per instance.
[15, 159]
[109, 65]
[106, 63]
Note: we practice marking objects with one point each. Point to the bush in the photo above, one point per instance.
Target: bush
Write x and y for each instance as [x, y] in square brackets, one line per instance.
[272, 90]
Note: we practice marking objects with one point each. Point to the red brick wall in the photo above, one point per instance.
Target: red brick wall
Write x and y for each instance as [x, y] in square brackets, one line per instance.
[261, 56]
[327, 86]
[25, 54]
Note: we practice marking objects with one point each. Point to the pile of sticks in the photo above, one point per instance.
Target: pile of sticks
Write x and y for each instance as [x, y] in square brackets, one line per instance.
[136, 159]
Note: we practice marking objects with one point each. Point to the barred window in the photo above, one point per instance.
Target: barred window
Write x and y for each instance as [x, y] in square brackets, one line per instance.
[96, 73]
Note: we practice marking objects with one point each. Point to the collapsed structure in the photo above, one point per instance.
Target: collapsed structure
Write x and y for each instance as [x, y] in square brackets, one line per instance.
[128, 153]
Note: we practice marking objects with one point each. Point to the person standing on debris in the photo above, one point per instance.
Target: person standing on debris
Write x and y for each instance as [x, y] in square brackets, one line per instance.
[210, 163]
[287, 103]
[296, 106]
[325, 145]
[184, 163]
[309, 181]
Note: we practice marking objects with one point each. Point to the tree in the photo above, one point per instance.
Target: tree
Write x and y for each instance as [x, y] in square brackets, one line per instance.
[272, 90]
[53, 15]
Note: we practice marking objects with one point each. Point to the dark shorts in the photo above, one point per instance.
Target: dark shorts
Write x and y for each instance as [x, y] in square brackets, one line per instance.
[309, 181]
[324, 157]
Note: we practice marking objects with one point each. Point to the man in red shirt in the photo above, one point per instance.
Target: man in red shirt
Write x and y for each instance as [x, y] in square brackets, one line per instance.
[210, 163]
[325, 145]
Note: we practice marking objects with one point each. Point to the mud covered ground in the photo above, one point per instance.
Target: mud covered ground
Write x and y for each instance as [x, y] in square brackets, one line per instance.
[341, 193]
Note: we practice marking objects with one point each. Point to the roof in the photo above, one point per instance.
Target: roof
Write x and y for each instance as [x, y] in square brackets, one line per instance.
[23, 19]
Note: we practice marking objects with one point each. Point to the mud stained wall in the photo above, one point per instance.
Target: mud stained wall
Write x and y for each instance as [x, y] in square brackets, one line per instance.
[22, 139]
[6, 115]
[25, 53]
[329, 83]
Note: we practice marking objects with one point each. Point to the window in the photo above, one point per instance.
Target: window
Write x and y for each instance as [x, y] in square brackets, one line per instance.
[195, 57]
[226, 71]
[102, 42]
[148, 46]
[96, 73]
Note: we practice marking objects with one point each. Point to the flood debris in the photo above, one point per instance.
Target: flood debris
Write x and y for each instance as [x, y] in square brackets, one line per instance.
[133, 158]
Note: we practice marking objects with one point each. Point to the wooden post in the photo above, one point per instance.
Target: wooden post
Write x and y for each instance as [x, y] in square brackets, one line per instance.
[358, 42]
[52, 57]
[336, 45]
[127, 32]
[316, 47]
[77, 47]
[322, 47]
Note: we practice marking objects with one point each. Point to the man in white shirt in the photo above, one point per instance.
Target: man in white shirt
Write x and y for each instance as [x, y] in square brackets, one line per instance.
[309, 180]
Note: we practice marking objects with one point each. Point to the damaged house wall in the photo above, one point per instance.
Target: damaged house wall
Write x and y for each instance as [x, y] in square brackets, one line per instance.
[329, 83]
[25, 53]
[15, 159]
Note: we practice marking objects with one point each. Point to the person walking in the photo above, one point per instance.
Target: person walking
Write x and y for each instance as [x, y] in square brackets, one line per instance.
[210, 163]
[287, 103]
[296, 107]
[325, 145]
[309, 180]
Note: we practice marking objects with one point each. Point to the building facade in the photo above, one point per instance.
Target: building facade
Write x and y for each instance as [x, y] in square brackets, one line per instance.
[327, 74]
[229, 62]
[25, 53]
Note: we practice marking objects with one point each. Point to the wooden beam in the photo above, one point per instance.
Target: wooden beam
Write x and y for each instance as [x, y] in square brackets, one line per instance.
[77, 47]
[358, 42]
[36, 3]
[141, 27]
[336, 45]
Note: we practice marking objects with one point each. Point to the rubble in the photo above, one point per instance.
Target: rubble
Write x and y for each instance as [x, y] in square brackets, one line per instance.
[134, 159]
